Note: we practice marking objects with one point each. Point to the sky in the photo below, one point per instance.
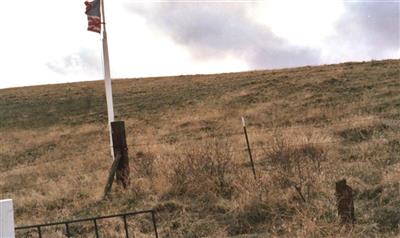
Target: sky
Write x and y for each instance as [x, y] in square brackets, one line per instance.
[46, 41]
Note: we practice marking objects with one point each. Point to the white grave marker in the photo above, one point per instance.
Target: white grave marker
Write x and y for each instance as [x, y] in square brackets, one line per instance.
[6, 219]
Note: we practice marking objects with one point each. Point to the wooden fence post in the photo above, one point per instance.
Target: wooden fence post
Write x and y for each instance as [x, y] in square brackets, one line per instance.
[120, 148]
[111, 174]
[7, 219]
[345, 203]
[248, 147]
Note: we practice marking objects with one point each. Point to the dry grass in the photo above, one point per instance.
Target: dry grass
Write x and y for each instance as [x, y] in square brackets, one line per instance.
[308, 127]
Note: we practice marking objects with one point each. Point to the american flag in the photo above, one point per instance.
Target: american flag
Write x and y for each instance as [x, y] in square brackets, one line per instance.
[93, 15]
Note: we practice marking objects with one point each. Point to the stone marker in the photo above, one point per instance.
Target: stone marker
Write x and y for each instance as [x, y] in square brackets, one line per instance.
[6, 219]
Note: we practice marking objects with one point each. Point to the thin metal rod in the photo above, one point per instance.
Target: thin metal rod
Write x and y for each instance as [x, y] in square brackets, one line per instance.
[126, 227]
[67, 229]
[39, 232]
[96, 229]
[153, 217]
[248, 148]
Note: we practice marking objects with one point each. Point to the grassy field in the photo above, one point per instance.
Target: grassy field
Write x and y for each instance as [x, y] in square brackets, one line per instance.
[308, 127]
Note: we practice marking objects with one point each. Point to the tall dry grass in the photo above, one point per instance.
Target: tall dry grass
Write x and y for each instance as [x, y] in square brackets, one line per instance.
[308, 128]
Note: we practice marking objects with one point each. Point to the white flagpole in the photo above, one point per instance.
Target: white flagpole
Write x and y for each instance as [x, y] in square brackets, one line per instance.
[107, 77]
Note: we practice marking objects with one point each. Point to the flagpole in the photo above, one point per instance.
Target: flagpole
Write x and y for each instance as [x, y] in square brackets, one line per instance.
[107, 77]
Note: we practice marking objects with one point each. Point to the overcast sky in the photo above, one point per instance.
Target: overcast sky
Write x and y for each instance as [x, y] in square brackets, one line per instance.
[46, 41]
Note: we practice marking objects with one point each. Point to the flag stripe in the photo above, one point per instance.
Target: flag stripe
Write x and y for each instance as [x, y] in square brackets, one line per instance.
[93, 15]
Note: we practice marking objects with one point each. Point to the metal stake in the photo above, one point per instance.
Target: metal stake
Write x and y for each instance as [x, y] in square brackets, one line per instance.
[126, 227]
[248, 147]
[39, 232]
[153, 217]
[96, 229]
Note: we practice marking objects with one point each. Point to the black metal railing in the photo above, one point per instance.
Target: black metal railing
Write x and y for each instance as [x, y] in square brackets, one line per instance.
[95, 224]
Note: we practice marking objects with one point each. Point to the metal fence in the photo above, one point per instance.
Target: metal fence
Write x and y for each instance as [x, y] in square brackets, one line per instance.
[95, 223]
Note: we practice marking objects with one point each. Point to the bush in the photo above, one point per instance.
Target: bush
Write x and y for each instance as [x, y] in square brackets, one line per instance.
[296, 165]
[143, 164]
[205, 171]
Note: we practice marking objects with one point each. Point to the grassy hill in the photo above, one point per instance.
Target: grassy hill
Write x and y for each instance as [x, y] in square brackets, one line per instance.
[308, 127]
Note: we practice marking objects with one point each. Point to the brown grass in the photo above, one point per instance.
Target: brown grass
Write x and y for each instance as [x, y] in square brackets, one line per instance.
[308, 128]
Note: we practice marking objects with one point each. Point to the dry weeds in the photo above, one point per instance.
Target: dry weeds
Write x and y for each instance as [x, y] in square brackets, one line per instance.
[308, 127]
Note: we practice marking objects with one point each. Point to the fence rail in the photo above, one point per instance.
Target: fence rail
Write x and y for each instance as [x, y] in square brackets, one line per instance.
[124, 216]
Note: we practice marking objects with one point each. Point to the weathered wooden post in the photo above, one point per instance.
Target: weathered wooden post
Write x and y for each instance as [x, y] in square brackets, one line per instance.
[120, 165]
[111, 174]
[248, 147]
[6, 219]
[345, 204]
[121, 149]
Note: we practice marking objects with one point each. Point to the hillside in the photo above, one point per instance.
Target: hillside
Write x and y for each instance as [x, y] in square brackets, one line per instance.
[308, 126]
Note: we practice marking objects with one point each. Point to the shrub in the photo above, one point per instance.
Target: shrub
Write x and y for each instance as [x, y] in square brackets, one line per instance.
[296, 165]
[204, 171]
[143, 164]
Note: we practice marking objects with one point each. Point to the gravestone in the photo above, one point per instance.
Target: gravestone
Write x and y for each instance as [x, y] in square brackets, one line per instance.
[6, 219]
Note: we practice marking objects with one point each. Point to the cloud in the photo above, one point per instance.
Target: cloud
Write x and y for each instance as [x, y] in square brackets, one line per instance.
[372, 28]
[216, 30]
[84, 61]
[212, 31]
